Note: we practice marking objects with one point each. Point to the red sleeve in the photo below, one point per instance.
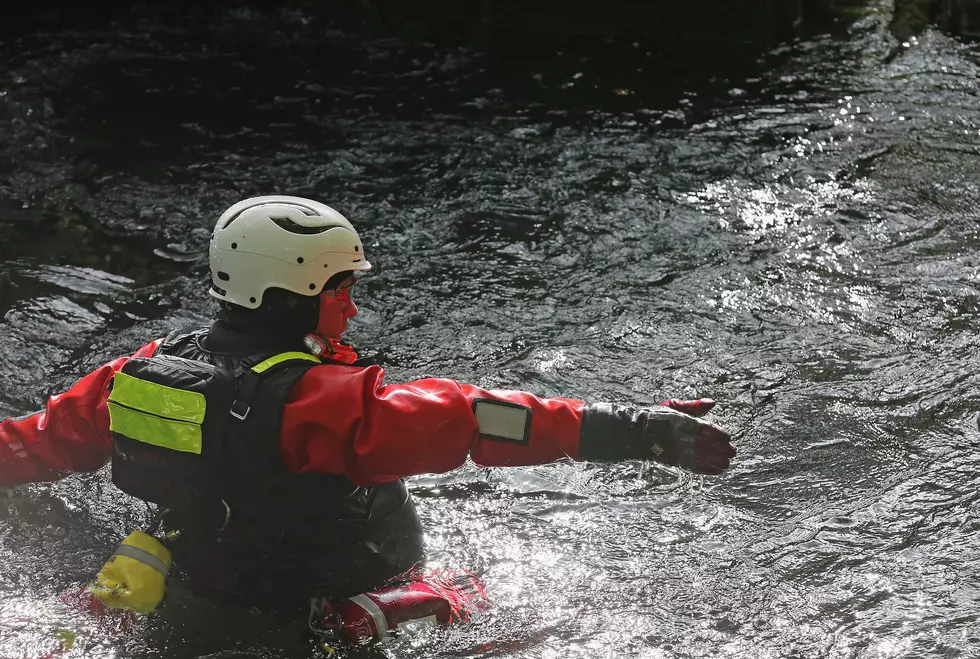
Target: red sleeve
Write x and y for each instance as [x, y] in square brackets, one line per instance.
[345, 420]
[71, 434]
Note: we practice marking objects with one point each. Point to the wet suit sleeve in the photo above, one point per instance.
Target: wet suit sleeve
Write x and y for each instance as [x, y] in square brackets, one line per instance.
[70, 434]
[345, 420]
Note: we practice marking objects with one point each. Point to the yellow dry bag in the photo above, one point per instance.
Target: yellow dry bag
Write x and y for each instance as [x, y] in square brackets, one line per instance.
[135, 576]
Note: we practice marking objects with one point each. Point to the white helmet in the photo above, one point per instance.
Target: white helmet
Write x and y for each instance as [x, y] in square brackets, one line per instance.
[280, 242]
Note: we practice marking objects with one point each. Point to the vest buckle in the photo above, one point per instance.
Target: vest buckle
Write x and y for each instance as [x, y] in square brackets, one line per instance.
[239, 410]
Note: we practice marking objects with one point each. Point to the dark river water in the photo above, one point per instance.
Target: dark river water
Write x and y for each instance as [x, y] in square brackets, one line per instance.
[793, 232]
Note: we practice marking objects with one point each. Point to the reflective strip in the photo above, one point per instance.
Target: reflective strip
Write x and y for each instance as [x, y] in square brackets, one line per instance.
[143, 556]
[366, 603]
[158, 399]
[502, 420]
[149, 429]
[283, 357]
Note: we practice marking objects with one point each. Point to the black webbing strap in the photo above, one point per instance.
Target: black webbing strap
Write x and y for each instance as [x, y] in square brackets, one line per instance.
[247, 391]
[252, 378]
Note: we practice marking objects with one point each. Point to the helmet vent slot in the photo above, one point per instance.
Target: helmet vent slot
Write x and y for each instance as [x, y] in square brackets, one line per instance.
[292, 227]
[305, 210]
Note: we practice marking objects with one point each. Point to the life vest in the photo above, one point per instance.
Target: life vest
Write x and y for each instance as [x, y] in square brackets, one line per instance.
[197, 432]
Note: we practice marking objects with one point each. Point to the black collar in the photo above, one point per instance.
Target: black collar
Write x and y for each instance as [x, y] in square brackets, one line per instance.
[222, 338]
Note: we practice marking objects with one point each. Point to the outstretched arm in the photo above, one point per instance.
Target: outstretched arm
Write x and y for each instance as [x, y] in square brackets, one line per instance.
[70, 434]
[345, 420]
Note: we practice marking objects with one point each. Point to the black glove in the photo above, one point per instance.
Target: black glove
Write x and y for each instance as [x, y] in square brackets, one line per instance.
[616, 432]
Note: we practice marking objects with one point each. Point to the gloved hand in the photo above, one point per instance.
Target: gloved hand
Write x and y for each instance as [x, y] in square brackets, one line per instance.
[662, 433]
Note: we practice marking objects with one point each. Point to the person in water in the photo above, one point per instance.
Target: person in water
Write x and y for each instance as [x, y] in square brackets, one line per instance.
[277, 456]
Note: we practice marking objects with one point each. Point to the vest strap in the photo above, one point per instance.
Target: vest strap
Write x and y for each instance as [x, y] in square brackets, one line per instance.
[252, 378]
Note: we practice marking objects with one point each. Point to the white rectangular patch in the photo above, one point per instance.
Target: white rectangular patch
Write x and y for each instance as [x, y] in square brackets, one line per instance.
[507, 422]
[416, 623]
